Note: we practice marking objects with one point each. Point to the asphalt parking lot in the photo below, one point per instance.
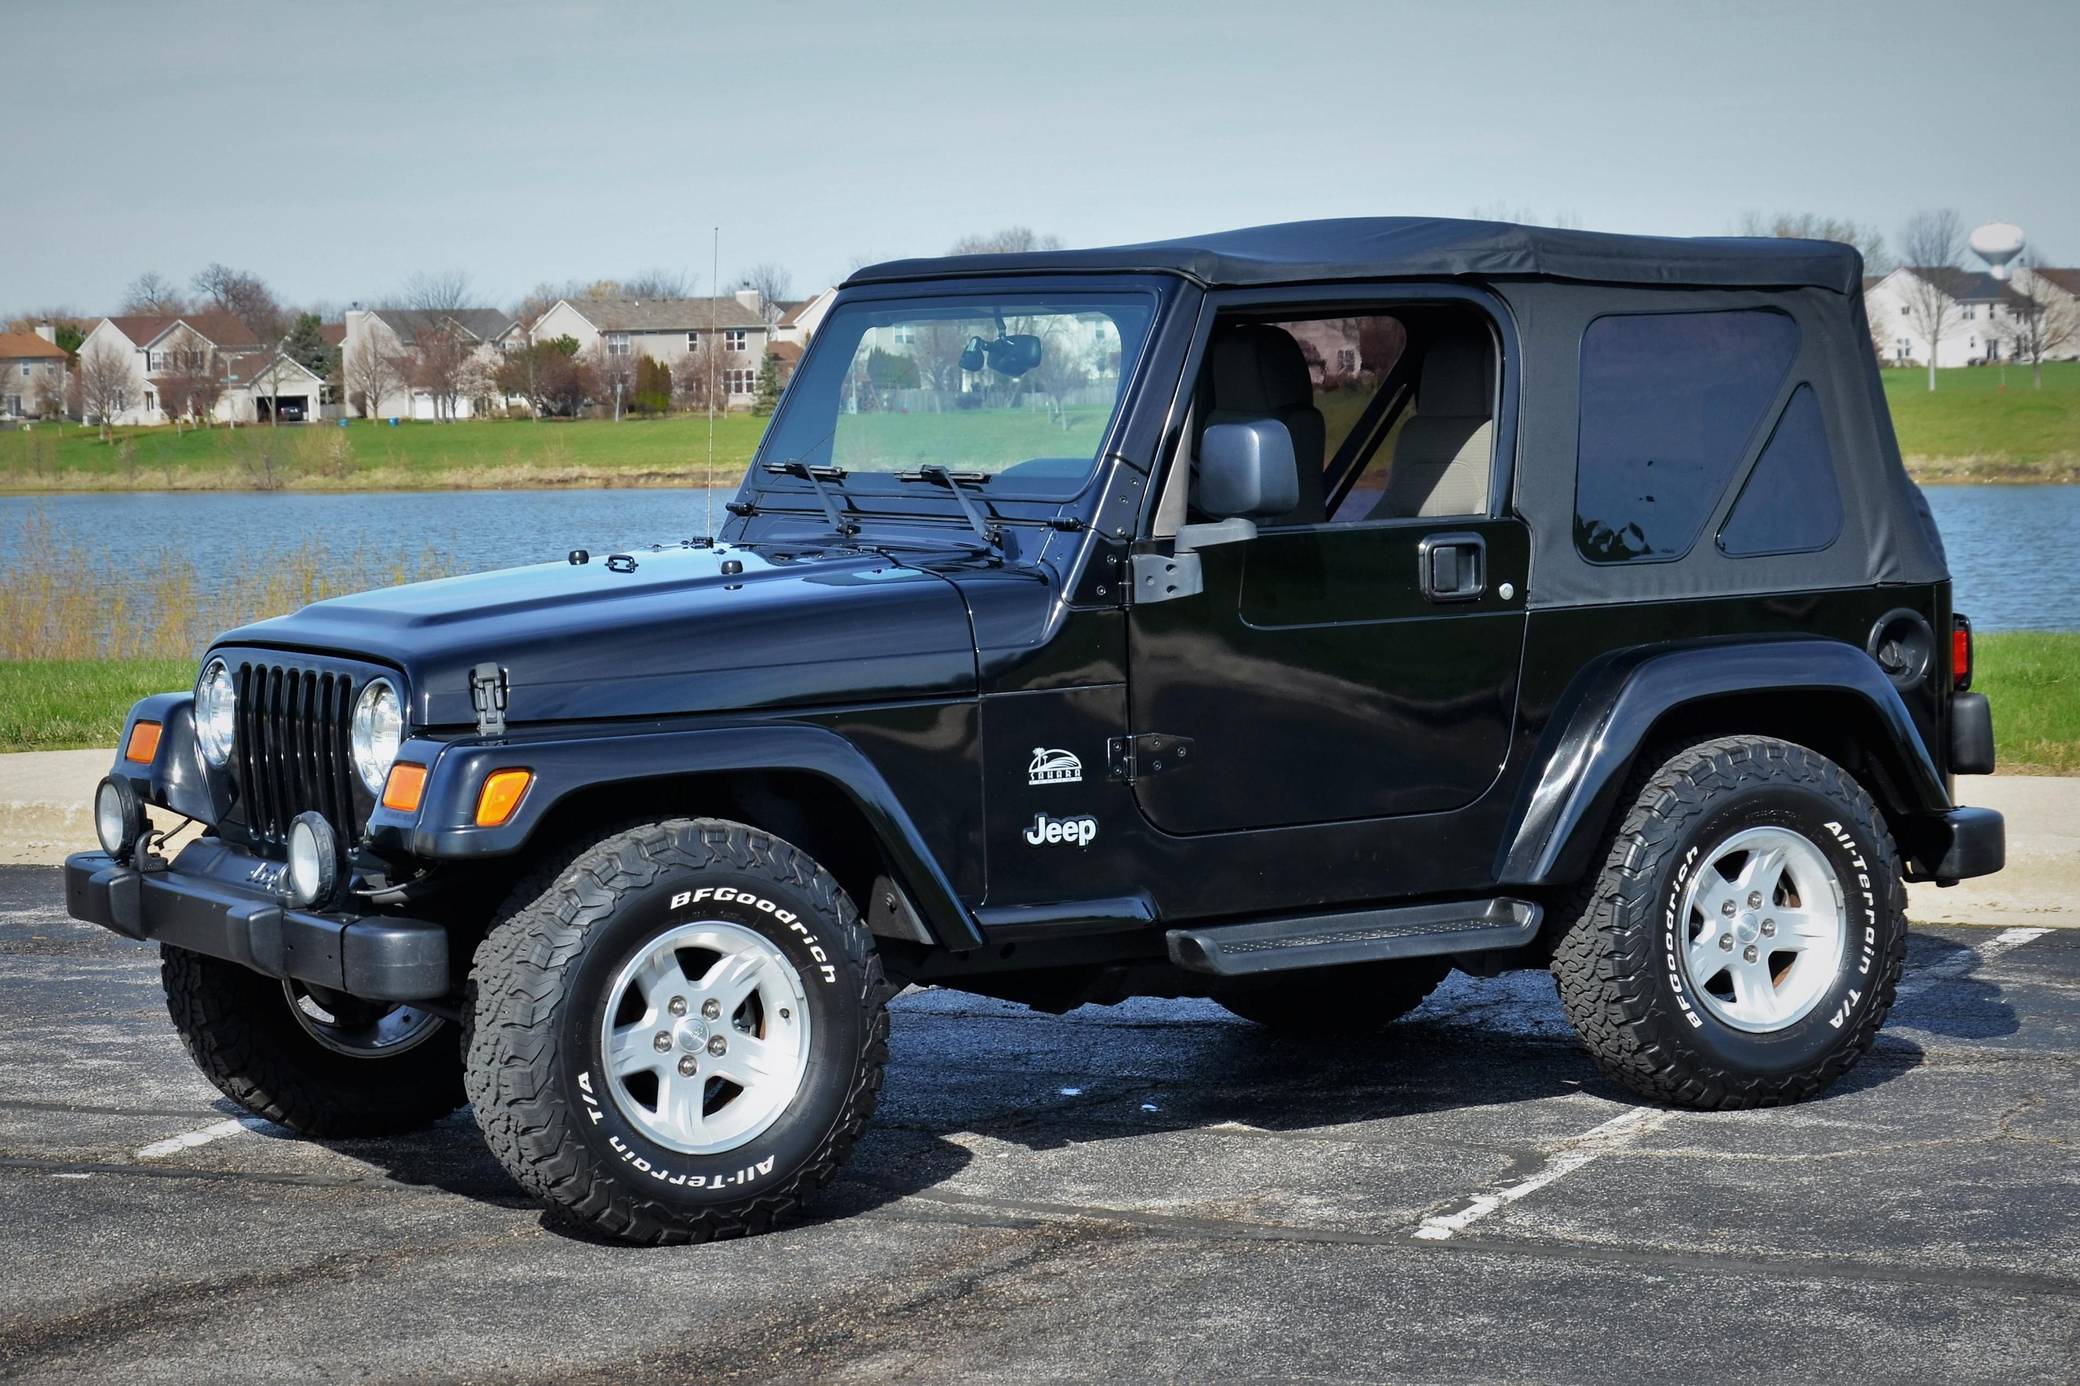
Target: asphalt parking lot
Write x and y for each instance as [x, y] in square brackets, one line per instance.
[1154, 1191]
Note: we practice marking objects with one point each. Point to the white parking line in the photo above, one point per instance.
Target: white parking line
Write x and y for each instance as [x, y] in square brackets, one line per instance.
[1564, 1159]
[1622, 1130]
[1959, 964]
[174, 1145]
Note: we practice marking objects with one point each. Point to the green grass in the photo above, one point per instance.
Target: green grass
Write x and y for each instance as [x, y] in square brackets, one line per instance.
[2033, 681]
[1975, 427]
[472, 454]
[2032, 678]
[58, 705]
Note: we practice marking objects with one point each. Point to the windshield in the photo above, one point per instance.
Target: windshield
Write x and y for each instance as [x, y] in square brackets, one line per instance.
[1018, 388]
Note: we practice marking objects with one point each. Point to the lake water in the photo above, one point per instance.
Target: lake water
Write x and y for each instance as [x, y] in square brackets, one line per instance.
[2012, 548]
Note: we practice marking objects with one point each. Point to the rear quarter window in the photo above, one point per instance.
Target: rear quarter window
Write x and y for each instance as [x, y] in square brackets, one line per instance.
[1791, 502]
[1669, 404]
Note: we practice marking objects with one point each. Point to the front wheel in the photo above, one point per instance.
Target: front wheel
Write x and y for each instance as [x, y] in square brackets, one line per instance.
[680, 1036]
[1741, 946]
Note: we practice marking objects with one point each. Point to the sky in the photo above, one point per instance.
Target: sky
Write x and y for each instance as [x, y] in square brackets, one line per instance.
[338, 149]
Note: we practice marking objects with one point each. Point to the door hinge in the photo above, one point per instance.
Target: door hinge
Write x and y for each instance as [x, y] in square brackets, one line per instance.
[487, 694]
[1132, 758]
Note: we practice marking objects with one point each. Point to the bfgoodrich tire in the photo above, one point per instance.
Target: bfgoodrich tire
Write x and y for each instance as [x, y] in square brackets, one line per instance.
[679, 1035]
[1742, 943]
[359, 1070]
[1354, 1000]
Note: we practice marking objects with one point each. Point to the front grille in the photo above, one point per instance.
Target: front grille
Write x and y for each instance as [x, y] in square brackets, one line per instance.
[291, 748]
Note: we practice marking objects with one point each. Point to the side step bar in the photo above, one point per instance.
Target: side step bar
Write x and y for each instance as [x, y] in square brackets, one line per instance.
[1325, 940]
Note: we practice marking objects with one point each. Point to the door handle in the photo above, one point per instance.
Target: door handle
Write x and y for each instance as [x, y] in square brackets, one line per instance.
[1452, 567]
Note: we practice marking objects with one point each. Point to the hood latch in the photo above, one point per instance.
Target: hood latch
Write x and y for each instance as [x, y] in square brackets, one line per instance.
[487, 694]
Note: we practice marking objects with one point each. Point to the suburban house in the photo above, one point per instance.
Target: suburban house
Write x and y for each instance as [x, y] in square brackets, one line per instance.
[799, 321]
[423, 363]
[669, 330]
[192, 364]
[32, 374]
[1976, 326]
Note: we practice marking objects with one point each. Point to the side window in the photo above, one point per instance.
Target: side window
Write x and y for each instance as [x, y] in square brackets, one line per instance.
[1320, 376]
[1791, 502]
[1669, 402]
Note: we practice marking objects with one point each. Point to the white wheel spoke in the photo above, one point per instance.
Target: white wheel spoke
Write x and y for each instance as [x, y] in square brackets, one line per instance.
[679, 1102]
[1798, 930]
[733, 979]
[1754, 992]
[632, 1050]
[1707, 958]
[660, 979]
[1764, 868]
[748, 1060]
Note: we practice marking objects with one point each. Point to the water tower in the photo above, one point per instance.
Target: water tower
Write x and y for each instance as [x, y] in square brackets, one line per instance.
[1997, 243]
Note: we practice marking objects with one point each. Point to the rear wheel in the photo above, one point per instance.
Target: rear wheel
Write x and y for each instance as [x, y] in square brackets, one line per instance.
[1353, 1000]
[1741, 945]
[313, 1060]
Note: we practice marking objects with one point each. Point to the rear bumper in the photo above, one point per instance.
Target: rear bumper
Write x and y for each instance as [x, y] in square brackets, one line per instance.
[1963, 843]
[200, 903]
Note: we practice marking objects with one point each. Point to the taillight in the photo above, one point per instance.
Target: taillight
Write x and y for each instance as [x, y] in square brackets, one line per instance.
[1960, 653]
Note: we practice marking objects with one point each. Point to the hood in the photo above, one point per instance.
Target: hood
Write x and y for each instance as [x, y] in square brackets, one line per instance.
[678, 634]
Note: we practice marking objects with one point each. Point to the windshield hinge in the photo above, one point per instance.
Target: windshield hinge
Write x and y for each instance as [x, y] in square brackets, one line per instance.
[487, 694]
[1131, 758]
[1067, 524]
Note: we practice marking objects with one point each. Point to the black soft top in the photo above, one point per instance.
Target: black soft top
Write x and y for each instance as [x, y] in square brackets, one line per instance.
[1396, 247]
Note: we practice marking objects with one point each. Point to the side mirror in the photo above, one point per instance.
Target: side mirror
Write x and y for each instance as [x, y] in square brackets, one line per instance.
[1247, 468]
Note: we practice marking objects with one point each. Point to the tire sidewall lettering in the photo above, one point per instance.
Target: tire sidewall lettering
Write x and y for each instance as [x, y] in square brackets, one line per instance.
[832, 989]
[1823, 823]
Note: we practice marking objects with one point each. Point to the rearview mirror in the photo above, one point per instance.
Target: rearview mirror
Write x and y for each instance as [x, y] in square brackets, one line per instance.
[1013, 355]
[1247, 468]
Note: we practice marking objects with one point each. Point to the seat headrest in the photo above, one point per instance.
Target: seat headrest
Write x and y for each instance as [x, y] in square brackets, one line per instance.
[1457, 376]
[1258, 369]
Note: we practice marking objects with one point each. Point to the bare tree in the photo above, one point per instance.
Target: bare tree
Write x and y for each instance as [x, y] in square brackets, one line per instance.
[185, 380]
[697, 379]
[1012, 240]
[1808, 226]
[1526, 216]
[1932, 244]
[153, 292]
[372, 374]
[658, 283]
[246, 297]
[442, 291]
[773, 284]
[438, 362]
[104, 385]
[2044, 317]
[616, 374]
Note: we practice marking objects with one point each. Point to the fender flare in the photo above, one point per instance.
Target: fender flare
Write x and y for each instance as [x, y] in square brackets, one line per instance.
[444, 828]
[1599, 728]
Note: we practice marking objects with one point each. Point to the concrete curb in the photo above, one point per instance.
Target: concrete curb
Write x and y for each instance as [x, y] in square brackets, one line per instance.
[45, 812]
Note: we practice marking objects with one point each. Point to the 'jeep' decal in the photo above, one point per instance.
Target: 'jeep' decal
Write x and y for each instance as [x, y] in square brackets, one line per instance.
[1081, 830]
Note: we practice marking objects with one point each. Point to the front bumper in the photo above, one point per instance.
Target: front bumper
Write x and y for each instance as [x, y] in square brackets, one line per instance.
[206, 902]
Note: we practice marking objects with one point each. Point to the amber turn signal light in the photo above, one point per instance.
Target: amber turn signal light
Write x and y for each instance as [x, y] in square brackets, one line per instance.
[501, 795]
[143, 744]
[402, 790]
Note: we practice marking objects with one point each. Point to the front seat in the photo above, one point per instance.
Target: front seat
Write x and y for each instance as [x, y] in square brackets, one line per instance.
[1441, 460]
[1259, 373]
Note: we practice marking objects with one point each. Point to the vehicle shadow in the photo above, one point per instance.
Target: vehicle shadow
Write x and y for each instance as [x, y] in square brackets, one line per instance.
[965, 1072]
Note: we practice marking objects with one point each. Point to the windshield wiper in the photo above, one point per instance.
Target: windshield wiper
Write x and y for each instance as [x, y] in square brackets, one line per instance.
[954, 481]
[816, 476]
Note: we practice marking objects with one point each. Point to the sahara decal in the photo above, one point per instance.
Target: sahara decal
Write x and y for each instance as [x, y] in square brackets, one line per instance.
[1081, 830]
[1053, 767]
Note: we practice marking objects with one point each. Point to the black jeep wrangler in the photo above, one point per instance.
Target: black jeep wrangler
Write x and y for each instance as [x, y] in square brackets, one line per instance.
[1282, 616]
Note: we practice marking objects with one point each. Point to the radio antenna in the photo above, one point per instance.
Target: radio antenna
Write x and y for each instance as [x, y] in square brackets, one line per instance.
[714, 284]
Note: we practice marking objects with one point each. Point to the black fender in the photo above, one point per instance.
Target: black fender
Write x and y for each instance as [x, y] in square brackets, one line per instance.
[1600, 727]
[176, 777]
[565, 762]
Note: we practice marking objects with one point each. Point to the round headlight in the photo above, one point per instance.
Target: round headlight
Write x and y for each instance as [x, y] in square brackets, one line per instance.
[378, 732]
[216, 713]
[118, 818]
[313, 859]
